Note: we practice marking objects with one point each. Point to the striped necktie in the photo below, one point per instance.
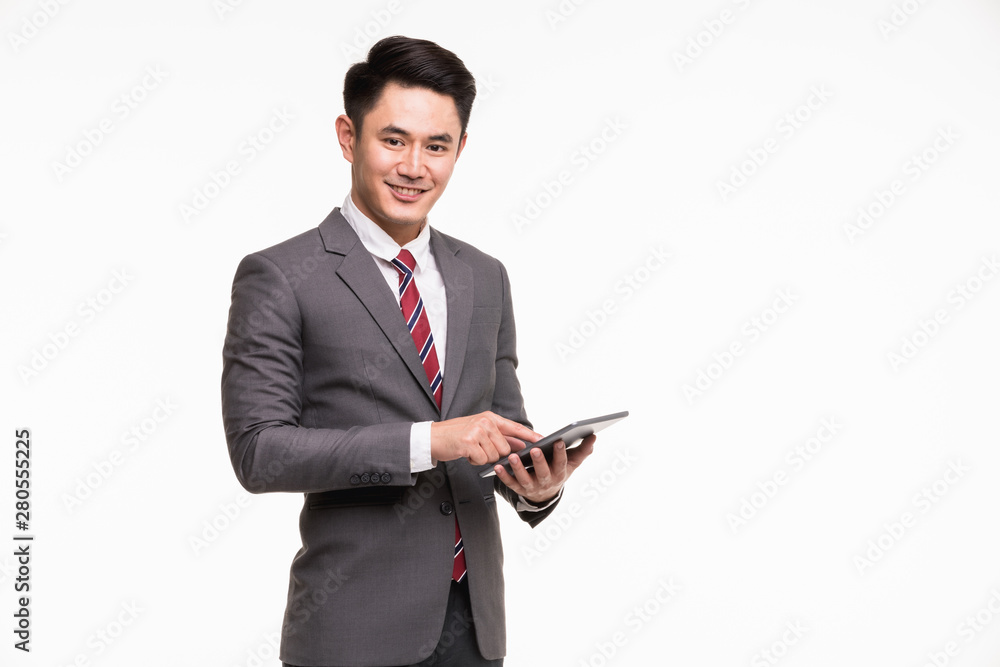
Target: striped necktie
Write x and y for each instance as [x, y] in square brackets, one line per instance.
[420, 328]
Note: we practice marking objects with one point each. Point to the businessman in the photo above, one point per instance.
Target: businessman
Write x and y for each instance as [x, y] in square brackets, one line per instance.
[370, 364]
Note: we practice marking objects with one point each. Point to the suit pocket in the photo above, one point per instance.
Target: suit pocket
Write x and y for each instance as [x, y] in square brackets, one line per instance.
[360, 497]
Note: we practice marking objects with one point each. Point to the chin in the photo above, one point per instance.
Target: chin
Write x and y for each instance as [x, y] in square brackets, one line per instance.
[406, 217]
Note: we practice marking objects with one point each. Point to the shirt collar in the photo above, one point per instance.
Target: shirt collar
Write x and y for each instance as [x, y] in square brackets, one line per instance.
[380, 244]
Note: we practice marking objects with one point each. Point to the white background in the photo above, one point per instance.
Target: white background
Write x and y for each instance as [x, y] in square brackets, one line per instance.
[658, 503]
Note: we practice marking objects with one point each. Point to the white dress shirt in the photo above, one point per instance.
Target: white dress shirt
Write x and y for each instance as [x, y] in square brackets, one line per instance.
[430, 284]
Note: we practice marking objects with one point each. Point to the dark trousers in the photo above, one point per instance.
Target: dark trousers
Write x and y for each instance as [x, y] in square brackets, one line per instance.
[457, 646]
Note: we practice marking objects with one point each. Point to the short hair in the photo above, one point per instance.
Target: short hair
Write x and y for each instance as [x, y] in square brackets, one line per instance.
[411, 63]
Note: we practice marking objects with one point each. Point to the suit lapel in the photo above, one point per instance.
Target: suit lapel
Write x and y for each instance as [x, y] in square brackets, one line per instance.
[362, 276]
[458, 284]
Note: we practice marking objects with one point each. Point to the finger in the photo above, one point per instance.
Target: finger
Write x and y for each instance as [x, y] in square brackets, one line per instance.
[576, 457]
[477, 457]
[489, 452]
[506, 478]
[559, 458]
[515, 444]
[521, 473]
[543, 474]
[508, 427]
[498, 441]
[489, 439]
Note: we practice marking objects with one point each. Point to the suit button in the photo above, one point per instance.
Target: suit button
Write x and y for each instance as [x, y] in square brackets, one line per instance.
[386, 478]
[355, 479]
[447, 508]
[365, 478]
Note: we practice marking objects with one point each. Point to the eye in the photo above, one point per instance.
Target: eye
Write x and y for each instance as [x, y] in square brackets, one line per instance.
[435, 148]
[393, 142]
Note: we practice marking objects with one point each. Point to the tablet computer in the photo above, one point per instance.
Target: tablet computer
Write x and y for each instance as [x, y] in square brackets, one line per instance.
[572, 434]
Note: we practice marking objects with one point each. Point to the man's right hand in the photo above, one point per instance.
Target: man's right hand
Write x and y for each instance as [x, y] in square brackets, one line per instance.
[483, 438]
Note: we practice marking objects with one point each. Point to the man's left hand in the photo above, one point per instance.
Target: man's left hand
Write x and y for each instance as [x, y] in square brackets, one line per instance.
[543, 482]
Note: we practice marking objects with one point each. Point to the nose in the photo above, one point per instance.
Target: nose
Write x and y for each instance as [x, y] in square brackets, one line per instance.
[411, 163]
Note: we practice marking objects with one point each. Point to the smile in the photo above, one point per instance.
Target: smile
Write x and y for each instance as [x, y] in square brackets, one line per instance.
[410, 192]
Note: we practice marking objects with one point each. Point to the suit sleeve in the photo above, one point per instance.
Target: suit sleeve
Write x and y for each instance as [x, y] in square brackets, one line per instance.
[507, 399]
[262, 380]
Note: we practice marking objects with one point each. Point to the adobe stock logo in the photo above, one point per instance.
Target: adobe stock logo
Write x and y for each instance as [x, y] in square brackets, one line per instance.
[929, 328]
[899, 16]
[138, 434]
[787, 127]
[794, 631]
[563, 520]
[58, 341]
[249, 149]
[562, 12]
[582, 158]
[896, 529]
[639, 617]
[796, 458]
[913, 169]
[265, 653]
[712, 29]
[967, 630]
[624, 289]
[123, 107]
[212, 528]
[752, 330]
[366, 35]
[102, 639]
[31, 25]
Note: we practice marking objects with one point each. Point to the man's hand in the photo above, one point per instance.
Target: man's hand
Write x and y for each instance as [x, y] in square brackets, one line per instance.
[543, 482]
[481, 439]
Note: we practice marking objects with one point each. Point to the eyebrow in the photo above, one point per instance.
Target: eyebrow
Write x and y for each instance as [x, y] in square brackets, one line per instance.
[392, 129]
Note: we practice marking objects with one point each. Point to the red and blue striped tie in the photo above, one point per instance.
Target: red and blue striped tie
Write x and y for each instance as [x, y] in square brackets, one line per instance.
[420, 328]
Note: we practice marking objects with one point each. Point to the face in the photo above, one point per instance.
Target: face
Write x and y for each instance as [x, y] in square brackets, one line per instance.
[403, 158]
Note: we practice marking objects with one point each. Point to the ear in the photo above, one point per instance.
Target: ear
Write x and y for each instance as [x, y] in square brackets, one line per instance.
[461, 145]
[346, 137]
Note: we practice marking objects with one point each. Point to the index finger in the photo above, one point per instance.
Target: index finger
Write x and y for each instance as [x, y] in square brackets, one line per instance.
[516, 444]
[520, 431]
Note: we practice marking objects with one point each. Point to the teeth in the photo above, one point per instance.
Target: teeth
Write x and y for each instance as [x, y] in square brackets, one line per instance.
[406, 191]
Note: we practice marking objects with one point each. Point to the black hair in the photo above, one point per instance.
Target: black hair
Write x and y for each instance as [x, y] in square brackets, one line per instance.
[411, 63]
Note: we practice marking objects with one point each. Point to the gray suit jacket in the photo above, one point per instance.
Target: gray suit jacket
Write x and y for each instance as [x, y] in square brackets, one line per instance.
[321, 383]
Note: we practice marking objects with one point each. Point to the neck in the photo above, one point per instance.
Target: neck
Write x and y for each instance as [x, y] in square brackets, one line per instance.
[402, 234]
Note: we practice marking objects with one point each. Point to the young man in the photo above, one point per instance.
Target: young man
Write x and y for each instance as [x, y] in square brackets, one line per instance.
[370, 364]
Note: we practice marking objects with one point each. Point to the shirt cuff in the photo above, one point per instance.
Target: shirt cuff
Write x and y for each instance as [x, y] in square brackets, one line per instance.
[525, 505]
[420, 447]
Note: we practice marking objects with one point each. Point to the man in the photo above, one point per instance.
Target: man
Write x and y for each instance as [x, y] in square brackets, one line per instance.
[370, 364]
